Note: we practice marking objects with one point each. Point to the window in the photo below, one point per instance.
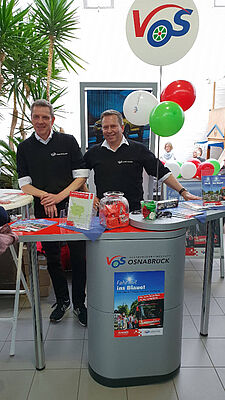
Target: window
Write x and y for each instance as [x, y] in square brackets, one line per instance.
[98, 3]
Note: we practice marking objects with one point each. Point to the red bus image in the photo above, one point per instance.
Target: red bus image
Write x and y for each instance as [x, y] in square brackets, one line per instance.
[149, 313]
[222, 192]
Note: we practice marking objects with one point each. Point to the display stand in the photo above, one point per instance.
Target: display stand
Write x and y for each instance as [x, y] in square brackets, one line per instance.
[117, 245]
[150, 350]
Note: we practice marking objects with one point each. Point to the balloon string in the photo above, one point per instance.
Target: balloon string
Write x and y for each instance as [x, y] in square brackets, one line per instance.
[138, 100]
[157, 166]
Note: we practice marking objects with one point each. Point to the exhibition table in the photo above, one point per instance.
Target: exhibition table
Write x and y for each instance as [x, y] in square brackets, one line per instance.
[121, 355]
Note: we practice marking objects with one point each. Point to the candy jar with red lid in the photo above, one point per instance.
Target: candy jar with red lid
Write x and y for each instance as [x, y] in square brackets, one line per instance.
[114, 210]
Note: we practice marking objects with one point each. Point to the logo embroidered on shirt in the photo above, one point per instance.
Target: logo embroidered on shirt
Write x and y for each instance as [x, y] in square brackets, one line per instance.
[125, 162]
[58, 154]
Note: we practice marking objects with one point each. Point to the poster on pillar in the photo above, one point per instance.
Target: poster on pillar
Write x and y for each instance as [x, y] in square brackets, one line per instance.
[138, 303]
[161, 33]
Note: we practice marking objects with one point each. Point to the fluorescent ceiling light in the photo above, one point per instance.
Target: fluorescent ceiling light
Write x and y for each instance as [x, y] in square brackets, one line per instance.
[98, 3]
[219, 3]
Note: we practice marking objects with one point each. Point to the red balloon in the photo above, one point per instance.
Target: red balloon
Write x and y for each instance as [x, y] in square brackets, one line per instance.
[205, 168]
[181, 92]
[195, 161]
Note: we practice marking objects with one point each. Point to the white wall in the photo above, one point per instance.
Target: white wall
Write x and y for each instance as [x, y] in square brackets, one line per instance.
[102, 43]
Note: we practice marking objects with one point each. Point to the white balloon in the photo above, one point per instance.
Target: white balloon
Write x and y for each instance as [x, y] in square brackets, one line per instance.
[188, 170]
[138, 105]
[174, 167]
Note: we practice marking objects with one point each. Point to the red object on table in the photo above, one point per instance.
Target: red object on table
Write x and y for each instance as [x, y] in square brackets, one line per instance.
[114, 215]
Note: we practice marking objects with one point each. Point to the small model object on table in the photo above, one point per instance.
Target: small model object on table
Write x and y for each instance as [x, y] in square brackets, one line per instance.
[155, 209]
[148, 209]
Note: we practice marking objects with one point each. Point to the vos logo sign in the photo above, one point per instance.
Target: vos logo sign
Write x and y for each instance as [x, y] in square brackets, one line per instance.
[161, 33]
[116, 261]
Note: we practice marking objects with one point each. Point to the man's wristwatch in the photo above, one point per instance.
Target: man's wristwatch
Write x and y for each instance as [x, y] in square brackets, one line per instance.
[182, 190]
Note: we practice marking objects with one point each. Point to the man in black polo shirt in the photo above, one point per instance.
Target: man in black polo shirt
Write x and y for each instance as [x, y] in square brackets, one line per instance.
[50, 165]
[118, 163]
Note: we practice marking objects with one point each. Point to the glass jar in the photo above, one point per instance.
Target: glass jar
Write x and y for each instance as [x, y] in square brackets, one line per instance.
[114, 210]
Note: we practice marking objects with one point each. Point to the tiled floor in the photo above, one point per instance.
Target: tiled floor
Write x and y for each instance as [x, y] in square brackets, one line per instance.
[66, 377]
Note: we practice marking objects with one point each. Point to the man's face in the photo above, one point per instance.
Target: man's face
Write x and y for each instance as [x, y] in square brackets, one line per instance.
[112, 130]
[42, 121]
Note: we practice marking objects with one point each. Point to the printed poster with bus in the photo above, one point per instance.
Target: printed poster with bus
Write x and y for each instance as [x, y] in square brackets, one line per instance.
[138, 303]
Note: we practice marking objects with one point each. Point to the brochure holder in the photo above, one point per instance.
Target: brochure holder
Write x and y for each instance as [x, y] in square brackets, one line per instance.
[80, 211]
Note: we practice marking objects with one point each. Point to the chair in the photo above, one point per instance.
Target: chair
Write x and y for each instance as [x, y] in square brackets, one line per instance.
[19, 278]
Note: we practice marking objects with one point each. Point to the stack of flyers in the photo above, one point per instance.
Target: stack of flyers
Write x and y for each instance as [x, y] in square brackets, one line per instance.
[80, 211]
[31, 225]
[195, 206]
[181, 212]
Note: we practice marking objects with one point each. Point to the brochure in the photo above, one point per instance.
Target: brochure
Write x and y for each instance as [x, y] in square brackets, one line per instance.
[185, 213]
[81, 210]
[195, 206]
[213, 189]
[31, 225]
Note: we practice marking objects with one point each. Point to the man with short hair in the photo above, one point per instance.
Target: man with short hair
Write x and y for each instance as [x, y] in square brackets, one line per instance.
[118, 163]
[50, 165]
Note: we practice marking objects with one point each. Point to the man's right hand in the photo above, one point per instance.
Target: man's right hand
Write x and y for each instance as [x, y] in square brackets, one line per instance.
[50, 199]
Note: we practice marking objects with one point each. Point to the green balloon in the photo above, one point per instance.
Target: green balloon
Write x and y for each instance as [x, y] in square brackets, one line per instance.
[216, 165]
[166, 119]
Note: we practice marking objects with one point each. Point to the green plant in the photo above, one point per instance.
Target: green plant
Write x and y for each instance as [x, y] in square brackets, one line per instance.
[33, 54]
[56, 22]
[20, 68]
[9, 17]
[8, 164]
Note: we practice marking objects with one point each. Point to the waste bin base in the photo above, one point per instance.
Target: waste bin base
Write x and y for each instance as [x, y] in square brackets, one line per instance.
[134, 381]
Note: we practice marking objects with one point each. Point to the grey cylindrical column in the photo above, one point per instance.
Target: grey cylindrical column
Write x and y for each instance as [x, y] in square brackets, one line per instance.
[122, 361]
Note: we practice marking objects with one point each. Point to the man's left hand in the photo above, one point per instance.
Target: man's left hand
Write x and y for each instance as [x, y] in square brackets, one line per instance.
[188, 196]
[50, 199]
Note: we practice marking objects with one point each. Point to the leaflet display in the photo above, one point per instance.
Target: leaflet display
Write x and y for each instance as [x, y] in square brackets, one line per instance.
[138, 303]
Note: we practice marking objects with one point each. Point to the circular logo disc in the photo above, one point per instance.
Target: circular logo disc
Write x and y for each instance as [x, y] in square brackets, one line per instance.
[161, 33]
